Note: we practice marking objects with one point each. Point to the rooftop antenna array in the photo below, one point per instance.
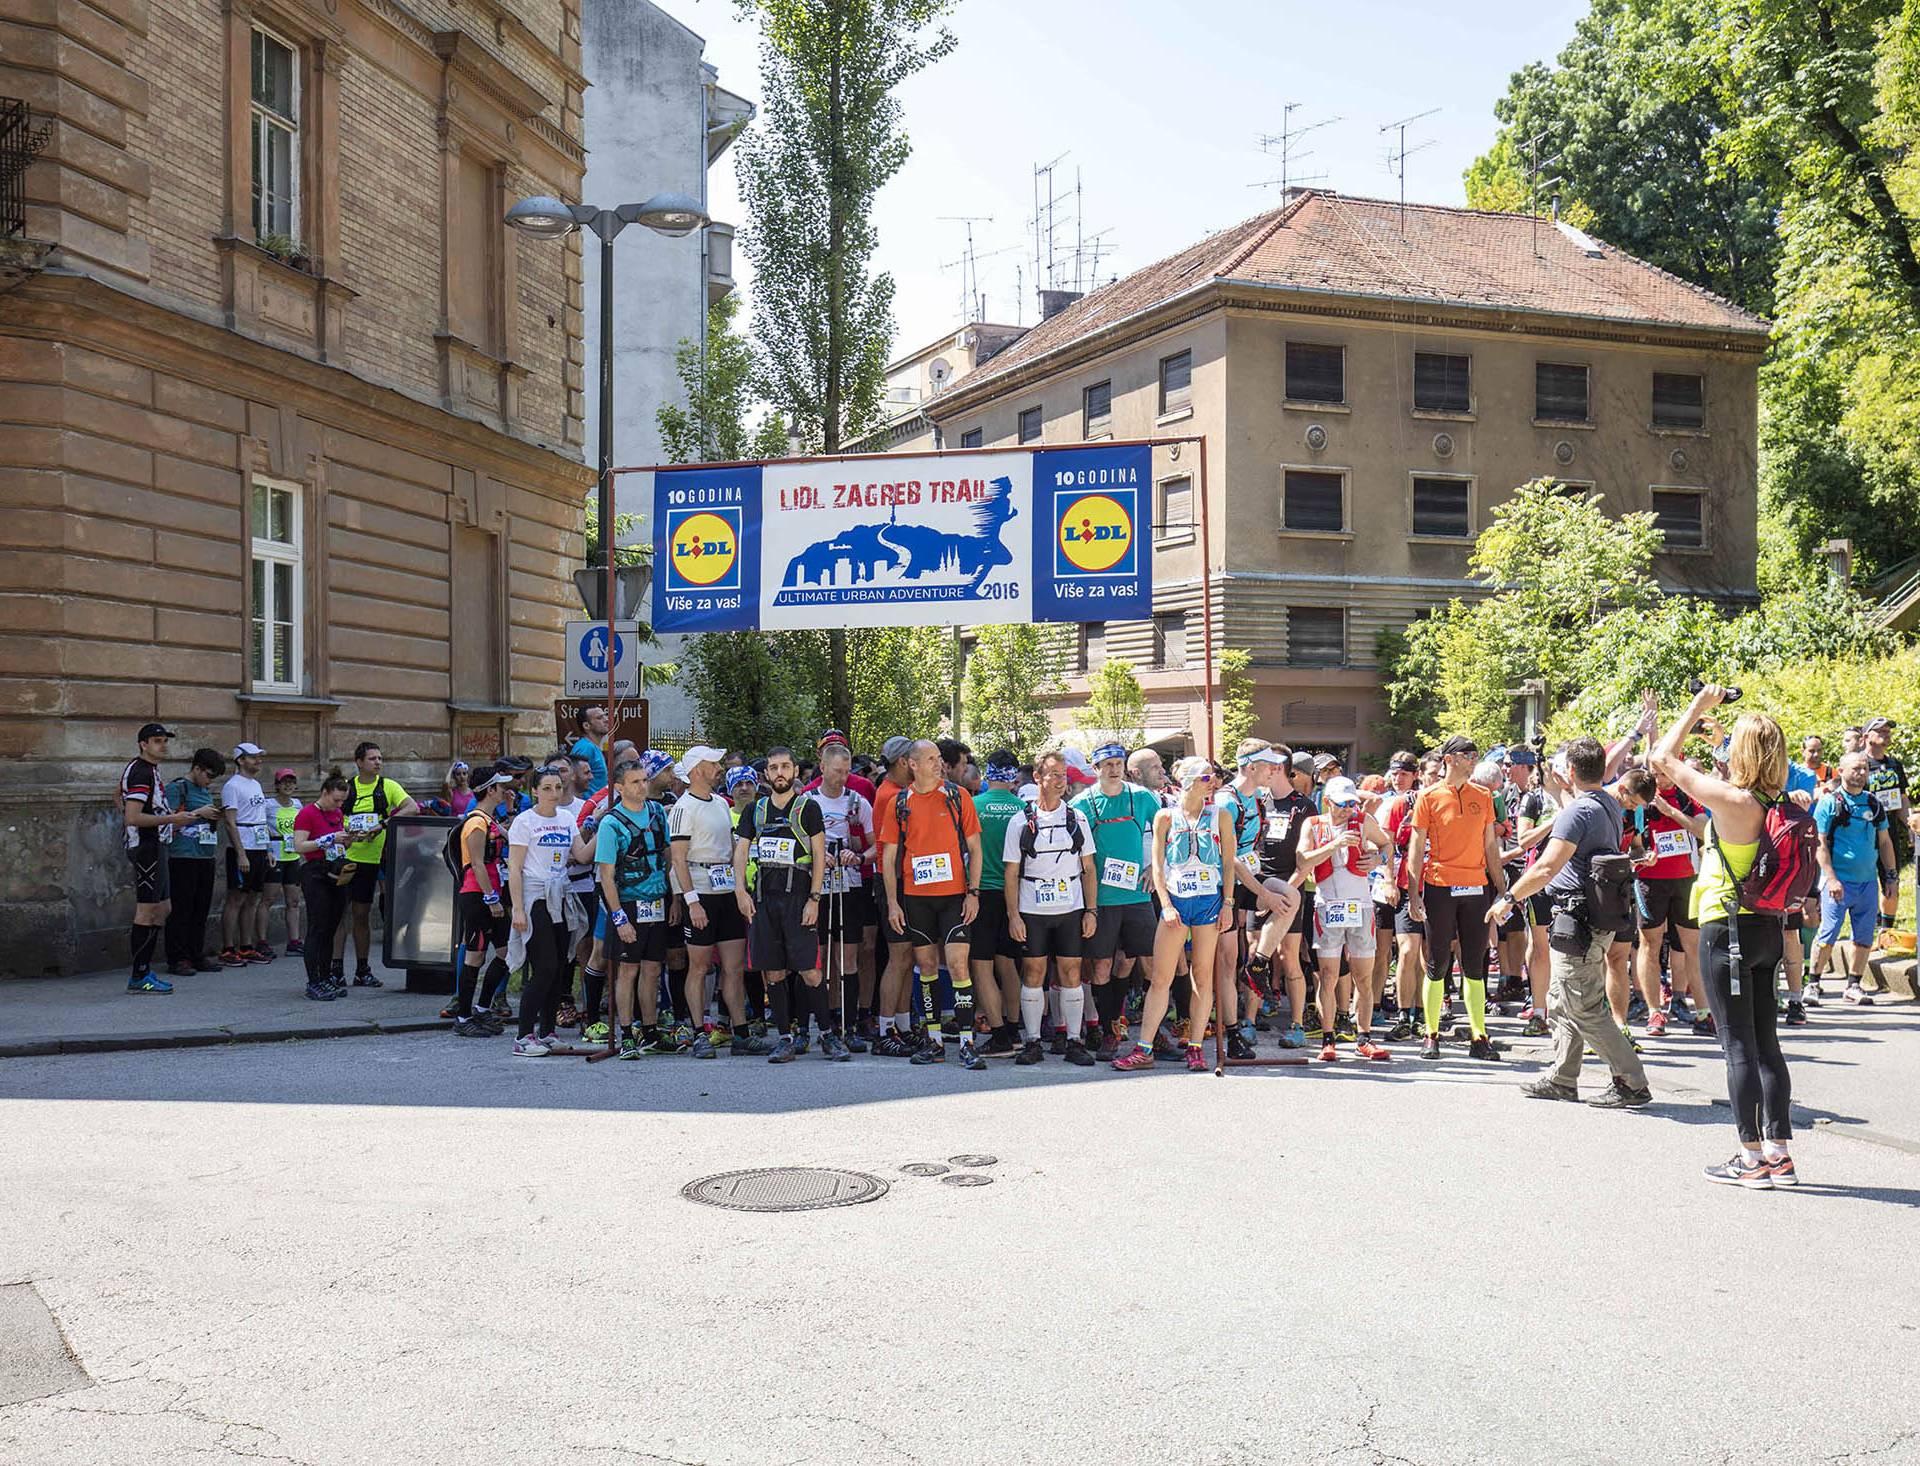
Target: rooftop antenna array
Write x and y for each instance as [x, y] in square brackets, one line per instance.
[1285, 141]
[972, 298]
[1046, 267]
[1538, 178]
[1398, 155]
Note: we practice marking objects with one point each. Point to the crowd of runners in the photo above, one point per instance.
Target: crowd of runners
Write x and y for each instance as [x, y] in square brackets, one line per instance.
[929, 904]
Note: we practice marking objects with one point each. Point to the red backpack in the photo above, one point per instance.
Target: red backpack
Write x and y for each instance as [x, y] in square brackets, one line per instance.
[1785, 866]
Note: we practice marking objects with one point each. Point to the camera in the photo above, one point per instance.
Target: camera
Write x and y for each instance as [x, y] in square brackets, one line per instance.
[1694, 684]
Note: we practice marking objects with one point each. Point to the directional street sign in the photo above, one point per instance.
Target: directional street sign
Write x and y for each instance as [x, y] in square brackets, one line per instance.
[587, 653]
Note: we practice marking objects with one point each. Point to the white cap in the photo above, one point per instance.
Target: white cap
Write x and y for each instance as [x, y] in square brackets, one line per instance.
[1077, 760]
[700, 753]
[1263, 756]
[1341, 790]
[248, 748]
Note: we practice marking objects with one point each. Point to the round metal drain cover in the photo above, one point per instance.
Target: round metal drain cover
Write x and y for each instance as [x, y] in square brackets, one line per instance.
[963, 1178]
[785, 1188]
[924, 1168]
[975, 1160]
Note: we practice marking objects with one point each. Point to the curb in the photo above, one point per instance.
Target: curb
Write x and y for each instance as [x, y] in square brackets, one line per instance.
[193, 1038]
[1897, 974]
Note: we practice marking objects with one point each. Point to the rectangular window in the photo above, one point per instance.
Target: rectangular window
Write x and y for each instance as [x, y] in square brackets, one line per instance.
[1680, 516]
[1679, 400]
[474, 269]
[970, 438]
[1313, 501]
[1176, 507]
[1176, 381]
[1442, 383]
[1091, 650]
[1096, 409]
[1559, 392]
[1170, 641]
[276, 138]
[274, 643]
[1316, 373]
[1316, 636]
[1030, 425]
[1441, 507]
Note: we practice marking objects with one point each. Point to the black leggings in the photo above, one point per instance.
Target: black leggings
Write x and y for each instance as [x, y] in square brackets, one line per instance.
[1450, 916]
[548, 948]
[326, 906]
[1757, 1080]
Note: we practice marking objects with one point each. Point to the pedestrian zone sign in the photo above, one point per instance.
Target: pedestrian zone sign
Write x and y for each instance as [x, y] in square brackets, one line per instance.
[588, 654]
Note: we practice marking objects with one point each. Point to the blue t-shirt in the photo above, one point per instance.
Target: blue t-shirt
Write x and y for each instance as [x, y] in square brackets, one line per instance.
[587, 749]
[616, 833]
[1244, 811]
[192, 842]
[1854, 841]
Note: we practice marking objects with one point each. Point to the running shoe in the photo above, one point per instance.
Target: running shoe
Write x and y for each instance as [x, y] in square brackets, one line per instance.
[892, 1045]
[749, 1046]
[1401, 1031]
[501, 1009]
[146, 982]
[205, 964]
[783, 1052]
[254, 956]
[1294, 1038]
[1109, 1047]
[802, 1042]
[182, 968]
[1430, 1046]
[1705, 1026]
[471, 1027]
[931, 1050]
[970, 1056]
[451, 1011]
[230, 957]
[834, 1047]
[1368, 1049]
[1619, 1095]
[1078, 1054]
[493, 1026]
[1743, 1170]
[528, 1046]
[1239, 1046]
[855, 1043]
[337, 972]
[1677, 1010]
[1657, 1024]
[1329, 1051]
[999, 1045]
[1140, 1058]
[1481, 1048]
[630, 1047]
[1057, 1044]
[367, 980]
[568, 1016]
[663, 1042]
[296, 947]
[1166, 1043]
[1536, 1028]
[1636, 1008]
[593, 1033]
[318, 992]
[1511, 990]
[1031, 1052]
[1546, 1087]
[1344, 1029]
[1796, 1015]
[1857, 994]
[1810, 993]
[1196, 1061]
[1781, 1172]
[1311, 1018]
[703, 1046]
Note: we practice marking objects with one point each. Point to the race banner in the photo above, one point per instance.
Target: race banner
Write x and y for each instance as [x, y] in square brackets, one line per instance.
[1024, 534]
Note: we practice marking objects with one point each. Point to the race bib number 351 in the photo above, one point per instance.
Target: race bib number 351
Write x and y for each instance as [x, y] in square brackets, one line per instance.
[930, 869]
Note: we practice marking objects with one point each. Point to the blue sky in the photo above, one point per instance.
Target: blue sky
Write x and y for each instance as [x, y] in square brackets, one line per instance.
[1161, 108]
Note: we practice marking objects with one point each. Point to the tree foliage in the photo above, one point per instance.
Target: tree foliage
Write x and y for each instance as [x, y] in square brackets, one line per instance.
[1236, 698]
[1012, 674]
[1115, 703]
[902, 680]
[716, 425]
[752, 689]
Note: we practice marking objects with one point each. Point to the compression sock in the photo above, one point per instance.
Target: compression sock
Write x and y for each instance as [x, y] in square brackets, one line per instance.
[1109, 1002]
[782, 1006]
[1432, 999]
[496, 982]
[1053, 1005]
[818, 1000]
[963, 1005]
[143, 939]
[1033, 1010]
[1073, 1012]
[1477, 1005]
[463, 994]
[596, 985]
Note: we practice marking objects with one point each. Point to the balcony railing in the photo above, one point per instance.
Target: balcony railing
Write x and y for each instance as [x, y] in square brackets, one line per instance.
[18, 145]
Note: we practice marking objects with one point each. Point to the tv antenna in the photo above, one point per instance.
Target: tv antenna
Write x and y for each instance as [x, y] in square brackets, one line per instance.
[1397, 159]
[969, 261]
[1285, 141]
[1537, 178]
[1046, 268]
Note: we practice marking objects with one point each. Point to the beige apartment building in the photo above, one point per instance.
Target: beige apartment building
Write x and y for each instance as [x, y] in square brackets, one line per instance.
[290, 423]
[1371, 383]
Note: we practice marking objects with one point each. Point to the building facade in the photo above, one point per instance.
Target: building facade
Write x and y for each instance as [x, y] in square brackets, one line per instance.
[290, 423]
[1370, 384]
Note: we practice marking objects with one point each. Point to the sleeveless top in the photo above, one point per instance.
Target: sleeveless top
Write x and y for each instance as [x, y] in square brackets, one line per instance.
[1713, 887]
[1188, 840]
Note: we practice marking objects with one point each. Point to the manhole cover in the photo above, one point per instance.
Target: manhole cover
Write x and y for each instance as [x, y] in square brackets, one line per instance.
[963, 1178]
[975, 1160]
[785, 1188]
[923, 1168]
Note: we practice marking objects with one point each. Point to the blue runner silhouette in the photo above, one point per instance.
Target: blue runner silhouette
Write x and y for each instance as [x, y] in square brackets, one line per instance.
[913, 550]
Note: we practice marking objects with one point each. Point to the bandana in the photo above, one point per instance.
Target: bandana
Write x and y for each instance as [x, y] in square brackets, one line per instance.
[1109, 750]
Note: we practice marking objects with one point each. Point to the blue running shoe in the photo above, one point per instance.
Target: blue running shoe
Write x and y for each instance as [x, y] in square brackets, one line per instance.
[146, 982]
[320, 992]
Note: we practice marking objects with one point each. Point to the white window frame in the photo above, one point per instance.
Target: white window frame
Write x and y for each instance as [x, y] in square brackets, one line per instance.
[261, 120]
[263, 555]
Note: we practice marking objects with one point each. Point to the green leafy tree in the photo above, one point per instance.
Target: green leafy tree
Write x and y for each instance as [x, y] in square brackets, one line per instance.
[1115, 703]
[830, 137]
[1236, 698]
[752, 689]
[902, 679]
[1012, 675]
[716, 424]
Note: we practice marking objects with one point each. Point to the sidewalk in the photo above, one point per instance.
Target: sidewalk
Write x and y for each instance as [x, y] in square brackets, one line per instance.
[95, 1013]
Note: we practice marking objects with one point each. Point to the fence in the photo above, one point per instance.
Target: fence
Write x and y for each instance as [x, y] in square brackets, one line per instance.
[18, 145]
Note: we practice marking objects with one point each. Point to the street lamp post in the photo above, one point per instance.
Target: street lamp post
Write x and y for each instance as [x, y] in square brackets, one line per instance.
[672, 214]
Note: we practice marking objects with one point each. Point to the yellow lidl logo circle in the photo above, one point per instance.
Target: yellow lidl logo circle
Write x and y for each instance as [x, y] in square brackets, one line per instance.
[705, 547]
[1096, 533]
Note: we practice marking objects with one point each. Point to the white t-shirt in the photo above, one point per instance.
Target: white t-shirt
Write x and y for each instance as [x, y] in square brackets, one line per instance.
[248, 802]
[546, 839]
[706, 825]
[1050, 879]
[850, 805]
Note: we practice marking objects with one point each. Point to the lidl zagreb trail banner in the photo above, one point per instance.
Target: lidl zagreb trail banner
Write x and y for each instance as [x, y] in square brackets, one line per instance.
[1051, 534]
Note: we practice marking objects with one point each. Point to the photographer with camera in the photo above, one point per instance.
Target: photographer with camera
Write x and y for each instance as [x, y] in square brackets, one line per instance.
[1588, 883]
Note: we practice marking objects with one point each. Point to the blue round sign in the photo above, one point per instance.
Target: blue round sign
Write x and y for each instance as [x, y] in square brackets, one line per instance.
[593, 649]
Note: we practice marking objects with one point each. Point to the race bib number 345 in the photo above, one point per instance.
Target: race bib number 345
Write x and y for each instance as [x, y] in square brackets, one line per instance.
[1195, 880]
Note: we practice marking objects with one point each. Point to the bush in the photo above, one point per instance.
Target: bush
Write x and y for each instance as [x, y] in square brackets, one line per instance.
[1825, 695]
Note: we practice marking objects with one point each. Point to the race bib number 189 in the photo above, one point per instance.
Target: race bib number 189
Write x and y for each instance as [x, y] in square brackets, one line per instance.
[1122, 875]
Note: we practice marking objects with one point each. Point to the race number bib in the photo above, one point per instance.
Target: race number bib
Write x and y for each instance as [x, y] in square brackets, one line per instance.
[1123, 875]
[1667, 843]
[1380, 886]
[207, 834]
[1052, 894]
[928, 869]
[1278, 826]
[775, 849]
[651, 910]
[1466, 890]
[253, 837]
[1195, 880]
[719, 878]
[1342, 915]
[836, 879]
[362, 824]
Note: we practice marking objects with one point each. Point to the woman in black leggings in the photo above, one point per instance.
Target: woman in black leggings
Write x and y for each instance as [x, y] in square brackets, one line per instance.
[1739, 949]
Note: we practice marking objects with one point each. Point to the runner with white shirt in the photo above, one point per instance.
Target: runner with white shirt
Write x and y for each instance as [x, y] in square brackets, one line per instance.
[1052, 896]
[1122, 818]
[847, 915]
[540, 843]
[1342, 846]
[249, 826]
[701, 826]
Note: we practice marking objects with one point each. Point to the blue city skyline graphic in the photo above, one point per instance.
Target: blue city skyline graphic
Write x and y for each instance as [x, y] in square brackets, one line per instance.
[912, 558]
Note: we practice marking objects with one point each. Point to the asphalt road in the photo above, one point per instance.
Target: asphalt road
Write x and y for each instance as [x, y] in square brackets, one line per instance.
[412, 1249]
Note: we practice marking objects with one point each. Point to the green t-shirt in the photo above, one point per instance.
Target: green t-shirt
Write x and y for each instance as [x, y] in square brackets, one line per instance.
[192, 842]
[360, 804]
[995, 807]
[283, 830]
[1121, 824]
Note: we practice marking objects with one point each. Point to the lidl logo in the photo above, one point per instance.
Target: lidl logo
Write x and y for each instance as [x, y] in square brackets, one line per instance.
[1095, 534]
[704, 550]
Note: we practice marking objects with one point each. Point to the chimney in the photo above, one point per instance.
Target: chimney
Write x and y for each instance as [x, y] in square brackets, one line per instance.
[1052, 302]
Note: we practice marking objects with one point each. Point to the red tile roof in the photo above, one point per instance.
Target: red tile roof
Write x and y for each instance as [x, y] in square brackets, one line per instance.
[1325, 242]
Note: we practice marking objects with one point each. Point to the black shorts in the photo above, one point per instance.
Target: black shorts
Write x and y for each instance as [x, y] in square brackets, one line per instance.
[1541, 904]
[283, 873]
[477, 924]
[1403, 923]
[151, 882]
[646, 940]
[844, 917]
[254, 877]
[1303, 918]
[1053, 934]
[1383, 916]
[724, 922]
[1665, 901]
[1127, 929]
[1245, 897]
[365, 884]
[988, 937]
[778, 941]
[1515, 924]
[933, 921]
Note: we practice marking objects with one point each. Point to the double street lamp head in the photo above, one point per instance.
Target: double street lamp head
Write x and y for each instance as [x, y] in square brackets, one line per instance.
[551, 218]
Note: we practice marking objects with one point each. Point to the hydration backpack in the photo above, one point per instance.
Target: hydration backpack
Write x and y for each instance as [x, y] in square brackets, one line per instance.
[952, 791]
[644, 853]
[1356, 824]
[454, 852]
[1785, 866]
[1029, 837]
